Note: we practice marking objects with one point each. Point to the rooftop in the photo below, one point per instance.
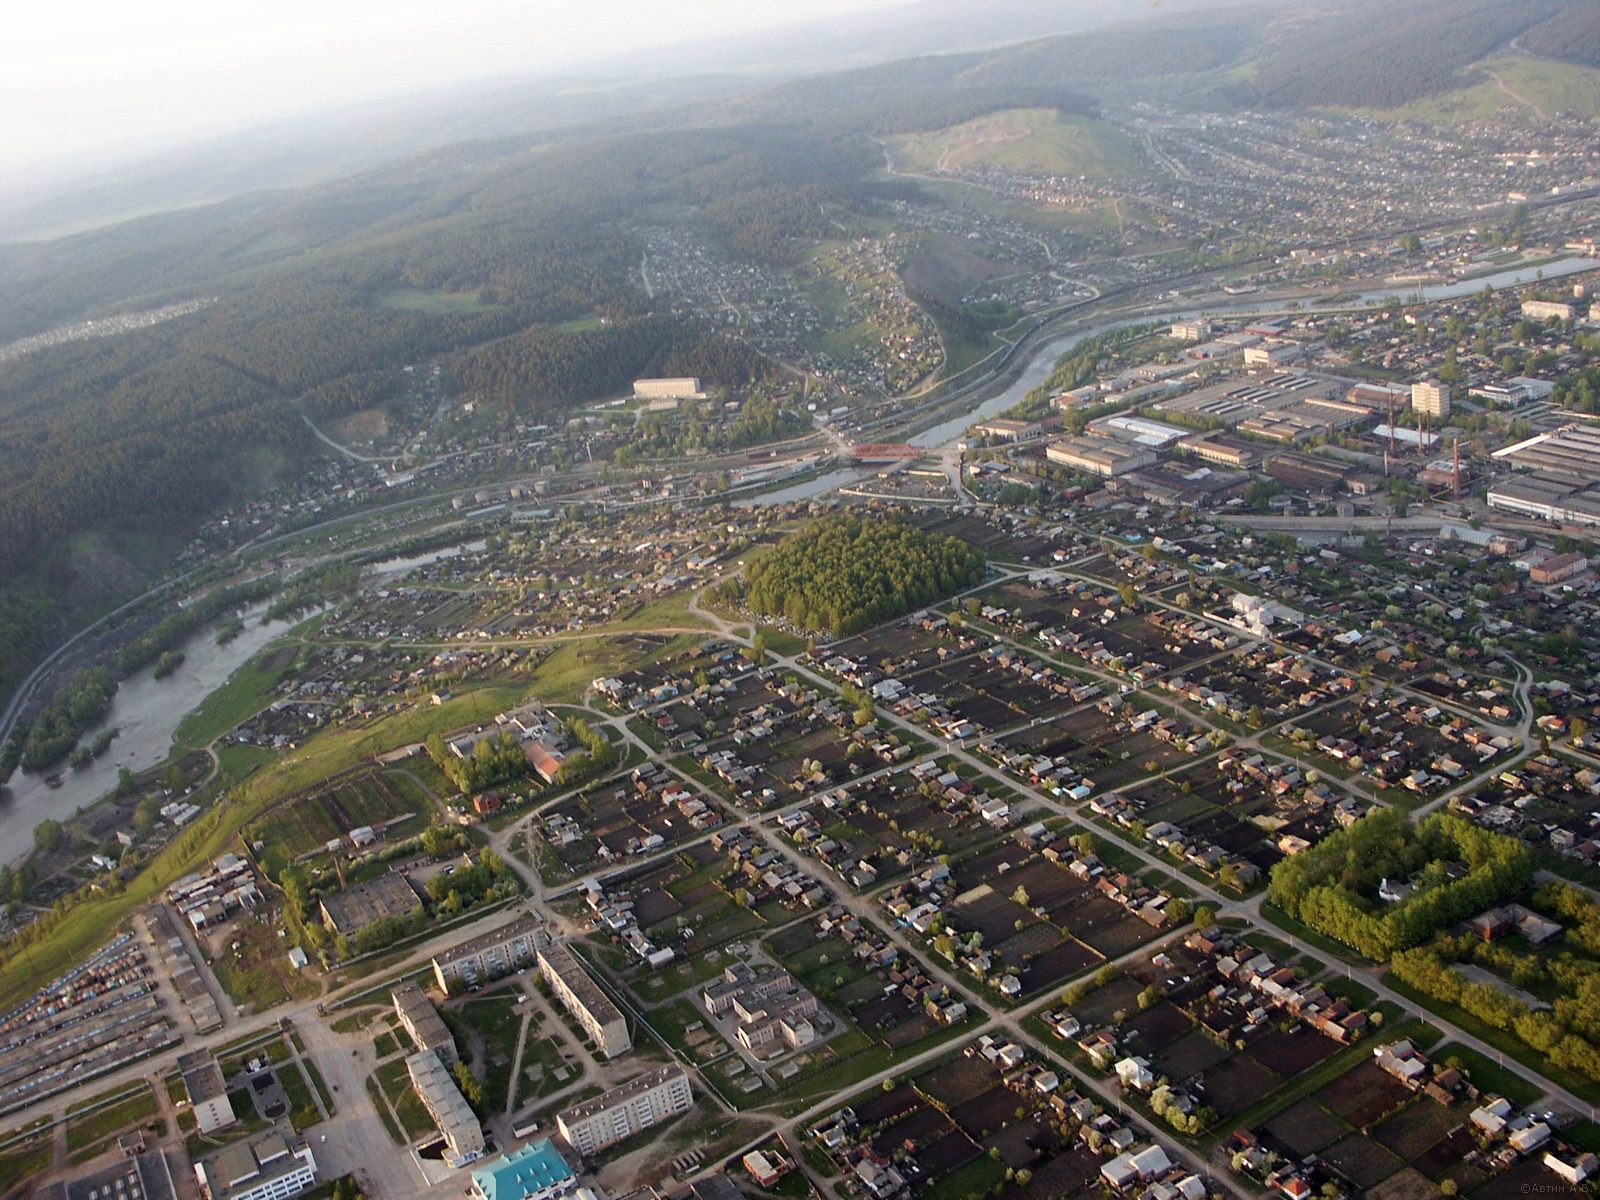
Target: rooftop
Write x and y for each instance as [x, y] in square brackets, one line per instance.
[360, 906]
[521, 927]
[531, 1169]
[572, 973]
[201, 1076]
[651, 1079]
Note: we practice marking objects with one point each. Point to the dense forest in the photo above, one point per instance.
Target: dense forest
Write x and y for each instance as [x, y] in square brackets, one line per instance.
[1333, 887]
[846, 573]
[1572, 35]
[1379, 55]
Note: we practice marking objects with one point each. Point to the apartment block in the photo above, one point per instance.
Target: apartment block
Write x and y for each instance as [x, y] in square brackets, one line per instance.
[489, 955]
[463, 1136]
[1431, 397]
[622, 1112]
[582, 997]
[423, 1022]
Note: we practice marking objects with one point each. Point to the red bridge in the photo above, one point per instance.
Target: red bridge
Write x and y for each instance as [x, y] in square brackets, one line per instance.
[883, 452]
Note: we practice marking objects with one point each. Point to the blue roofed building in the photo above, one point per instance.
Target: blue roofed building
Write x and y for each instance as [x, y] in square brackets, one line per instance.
[535, 1172]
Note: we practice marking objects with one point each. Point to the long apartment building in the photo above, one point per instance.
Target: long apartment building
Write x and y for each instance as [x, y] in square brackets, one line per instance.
[422, 1021]
[600, 1018]
[463, 1136]
[489, 955]
[622, 1112]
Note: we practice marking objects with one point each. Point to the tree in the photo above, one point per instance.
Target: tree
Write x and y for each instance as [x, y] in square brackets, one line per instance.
[1020, 896]
[471, 1086]
[48, 835]
[145, 815]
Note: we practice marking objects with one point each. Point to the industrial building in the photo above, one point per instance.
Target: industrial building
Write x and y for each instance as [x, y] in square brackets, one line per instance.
[1181, 484]
[1272, 354]
[208, 1093]
[1571, 452]
[624, 1111]
[422, 1021]
[1224, 449]
[1558, 569]
[1101, 456]
[1139, 430]
[1547, 498]
[267, 1168]
[1431, 398]
[142, 1177]
[1546, 310]
[684, 388]
[582, 997]
[535, 1172]
[1004, 429]
[357, 907]
[463, 1136]
[489, 955]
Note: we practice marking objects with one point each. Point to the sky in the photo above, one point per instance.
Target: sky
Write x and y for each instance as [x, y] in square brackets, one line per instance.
[82, 80]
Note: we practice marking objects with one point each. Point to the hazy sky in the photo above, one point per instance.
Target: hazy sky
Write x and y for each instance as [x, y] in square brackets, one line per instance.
[86, 78]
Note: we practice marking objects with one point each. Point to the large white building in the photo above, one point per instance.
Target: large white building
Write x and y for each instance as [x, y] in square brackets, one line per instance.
[1431, 397]
[685, 388]
[208, 1094]
[622, 1112]
[269, 1168]
[1546, 310]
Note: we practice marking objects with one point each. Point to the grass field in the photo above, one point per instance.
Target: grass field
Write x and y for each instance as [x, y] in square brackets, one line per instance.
[104, 1124]
[258, 974]
[565, 676]
[498, 1019]
[248, 690]
[1036, 141]
[1490, 1075]
[1538, 83]
[302, 1108]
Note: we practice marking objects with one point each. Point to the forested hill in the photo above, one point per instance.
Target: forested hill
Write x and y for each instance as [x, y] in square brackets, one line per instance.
[1572, 34]
[1377, 54]
[149, 432]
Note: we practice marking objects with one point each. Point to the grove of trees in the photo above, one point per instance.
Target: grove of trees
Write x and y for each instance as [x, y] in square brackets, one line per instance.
[1333, 887]
[846, 573]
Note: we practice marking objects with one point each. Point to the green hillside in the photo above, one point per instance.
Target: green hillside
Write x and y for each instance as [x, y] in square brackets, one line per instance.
[1033, 141]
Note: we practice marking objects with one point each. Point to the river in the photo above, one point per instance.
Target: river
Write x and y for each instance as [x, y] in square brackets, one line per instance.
[145, 712]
